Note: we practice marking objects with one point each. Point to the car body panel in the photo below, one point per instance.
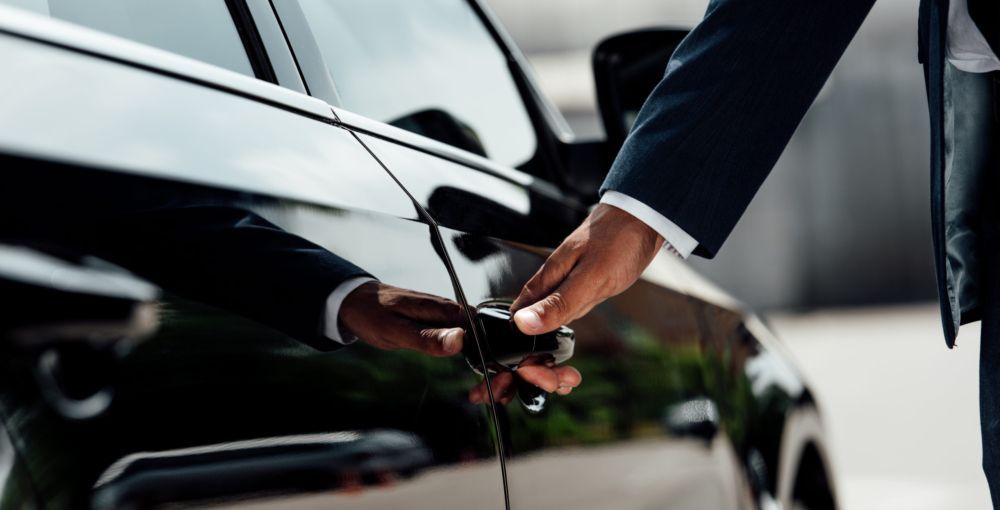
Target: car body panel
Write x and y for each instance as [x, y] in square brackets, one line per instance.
[672, 322]
[82, 39]
[606, 444]
[284, 153]
[16, 490]
[210, 378]
[687, 400]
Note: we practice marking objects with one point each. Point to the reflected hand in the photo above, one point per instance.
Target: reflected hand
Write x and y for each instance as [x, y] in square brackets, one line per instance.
[392, 318]
[538, 370]
[601, 258]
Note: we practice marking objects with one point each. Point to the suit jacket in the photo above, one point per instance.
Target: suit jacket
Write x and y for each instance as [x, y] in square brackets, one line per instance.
[734, 92]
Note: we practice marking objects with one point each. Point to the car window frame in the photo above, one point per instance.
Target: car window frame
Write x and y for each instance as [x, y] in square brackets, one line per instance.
[253, 44]
[246, 30]
[275, 45]
[547, 125]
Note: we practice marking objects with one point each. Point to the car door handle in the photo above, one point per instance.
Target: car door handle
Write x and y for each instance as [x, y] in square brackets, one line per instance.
[505, 347]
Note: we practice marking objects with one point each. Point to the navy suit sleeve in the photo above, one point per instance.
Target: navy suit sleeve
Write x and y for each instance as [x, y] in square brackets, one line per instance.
[231, 258]
[201, 243]
[731, 97]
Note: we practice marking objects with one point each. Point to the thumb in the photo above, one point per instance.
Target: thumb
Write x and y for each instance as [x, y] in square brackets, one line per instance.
[551, 274]
[441, 342]
[399, 333]
[554, 310]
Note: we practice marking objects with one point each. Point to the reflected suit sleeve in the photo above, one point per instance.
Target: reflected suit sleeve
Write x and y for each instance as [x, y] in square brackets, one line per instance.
[201, 243]
[232, 258]
[732, 95]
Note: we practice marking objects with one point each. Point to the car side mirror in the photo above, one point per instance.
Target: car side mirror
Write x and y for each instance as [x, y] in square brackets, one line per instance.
[626, 69]
[442, 126]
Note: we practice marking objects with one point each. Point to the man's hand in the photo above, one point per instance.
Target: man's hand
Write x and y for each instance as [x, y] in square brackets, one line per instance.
[537, 370]
[601, 258]
[391, 318]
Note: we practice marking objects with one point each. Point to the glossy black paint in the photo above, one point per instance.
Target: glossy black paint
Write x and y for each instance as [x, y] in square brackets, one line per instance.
[209, 376]
[687, 402]
[507, 347]
[643, 354]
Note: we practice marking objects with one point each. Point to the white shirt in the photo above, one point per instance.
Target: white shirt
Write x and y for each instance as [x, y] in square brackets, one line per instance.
[967, 50]
[331, 319]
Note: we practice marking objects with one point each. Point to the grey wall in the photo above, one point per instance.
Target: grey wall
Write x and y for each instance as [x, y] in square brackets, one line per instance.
[844, 217]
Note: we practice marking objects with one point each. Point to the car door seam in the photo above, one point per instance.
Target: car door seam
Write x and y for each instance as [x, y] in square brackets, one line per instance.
[460, 294]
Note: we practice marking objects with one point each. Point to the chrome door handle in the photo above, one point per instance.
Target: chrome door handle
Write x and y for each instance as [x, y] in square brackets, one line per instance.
[505, 348]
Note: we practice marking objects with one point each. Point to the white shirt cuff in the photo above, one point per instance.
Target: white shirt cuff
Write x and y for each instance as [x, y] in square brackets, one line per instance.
[675, 236]
[331, 322]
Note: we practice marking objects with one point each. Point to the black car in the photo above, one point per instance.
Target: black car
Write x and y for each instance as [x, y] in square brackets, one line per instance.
[151, 358]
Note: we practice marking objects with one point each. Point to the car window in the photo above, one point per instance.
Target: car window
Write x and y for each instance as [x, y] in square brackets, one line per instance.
[430, 67]
[200, 29]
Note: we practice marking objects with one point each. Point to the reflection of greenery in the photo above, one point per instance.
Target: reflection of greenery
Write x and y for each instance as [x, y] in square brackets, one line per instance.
[31, 427]
[16, 491]
[209, 377]
[625, 395]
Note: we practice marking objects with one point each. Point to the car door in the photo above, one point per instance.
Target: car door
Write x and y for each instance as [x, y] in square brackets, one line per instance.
[652, 423]
[230, 194]
[645, 429]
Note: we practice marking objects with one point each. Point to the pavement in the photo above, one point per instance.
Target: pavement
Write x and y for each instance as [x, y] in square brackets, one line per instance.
[900, 409]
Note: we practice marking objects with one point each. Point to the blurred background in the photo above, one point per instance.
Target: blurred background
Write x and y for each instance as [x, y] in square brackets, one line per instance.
[835, 249]
[844, 218]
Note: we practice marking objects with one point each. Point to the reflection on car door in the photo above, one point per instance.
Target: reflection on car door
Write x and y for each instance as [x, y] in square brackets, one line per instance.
[217, 406]
[645, 429]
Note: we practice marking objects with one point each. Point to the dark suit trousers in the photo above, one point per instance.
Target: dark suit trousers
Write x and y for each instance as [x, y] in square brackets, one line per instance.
[989, 242]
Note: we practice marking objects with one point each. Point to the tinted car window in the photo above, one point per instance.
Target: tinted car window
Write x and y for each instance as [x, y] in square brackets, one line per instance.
[430, 67]
[200, 29]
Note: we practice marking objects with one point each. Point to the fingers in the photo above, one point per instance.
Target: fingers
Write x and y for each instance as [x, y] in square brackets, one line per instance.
[569, 378]
[478, 394]
[426, 308]
[503, 389]
[400, 333]
[541, 376]
[571, 299]
[604, 256]
[442, 342]
[560, 380]
[548, 277]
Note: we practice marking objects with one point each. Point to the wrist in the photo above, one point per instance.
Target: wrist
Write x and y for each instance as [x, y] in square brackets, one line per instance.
[680, 242]
[650, 241]
[353, 307]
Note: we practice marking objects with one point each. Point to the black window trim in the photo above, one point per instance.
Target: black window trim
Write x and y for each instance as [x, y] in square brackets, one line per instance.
[169, 73]
[305, 49]
[277, 46]
[253, 45]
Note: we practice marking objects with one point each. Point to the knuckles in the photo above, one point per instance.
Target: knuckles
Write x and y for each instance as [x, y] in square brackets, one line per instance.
[554, 306]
